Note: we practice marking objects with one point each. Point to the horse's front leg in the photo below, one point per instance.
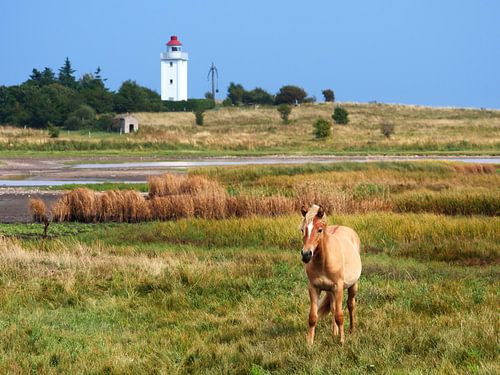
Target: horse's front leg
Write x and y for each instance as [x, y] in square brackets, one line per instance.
[335, 327]
[339, 314]
[313, 312]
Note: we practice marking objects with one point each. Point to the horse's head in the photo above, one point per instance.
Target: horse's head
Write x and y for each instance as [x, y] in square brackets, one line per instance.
[313, 226]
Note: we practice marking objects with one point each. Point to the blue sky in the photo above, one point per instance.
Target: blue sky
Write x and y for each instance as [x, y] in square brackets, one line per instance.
[427, 52]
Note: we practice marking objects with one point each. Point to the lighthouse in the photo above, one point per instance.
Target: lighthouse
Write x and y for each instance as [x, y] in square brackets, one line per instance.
[174, 71]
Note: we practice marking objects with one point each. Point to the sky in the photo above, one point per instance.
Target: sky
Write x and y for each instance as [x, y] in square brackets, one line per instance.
[424, 52]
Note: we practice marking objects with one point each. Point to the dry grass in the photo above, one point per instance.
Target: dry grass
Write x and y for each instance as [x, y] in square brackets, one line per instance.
[420, 129]
[217, 297]
[251, 128]
[475, 168]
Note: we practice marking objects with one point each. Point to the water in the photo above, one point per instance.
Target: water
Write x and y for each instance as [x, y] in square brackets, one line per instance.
[271, 161]
[32, 183]
[221, 162]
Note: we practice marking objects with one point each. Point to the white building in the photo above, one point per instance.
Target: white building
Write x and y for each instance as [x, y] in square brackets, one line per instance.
[127, 123]
[174, 67]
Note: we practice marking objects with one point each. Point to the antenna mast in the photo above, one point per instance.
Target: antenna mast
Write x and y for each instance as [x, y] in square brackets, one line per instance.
[214, 73]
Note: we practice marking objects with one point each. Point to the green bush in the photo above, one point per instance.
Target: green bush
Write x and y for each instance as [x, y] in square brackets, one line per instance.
[322, 128]
[199, 114]
[340, 116]
[53, 131]
[387, 129]
[106, 122]
[284, 110]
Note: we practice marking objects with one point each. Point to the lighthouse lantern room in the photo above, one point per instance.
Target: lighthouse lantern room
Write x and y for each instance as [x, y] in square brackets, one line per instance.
[174, 71]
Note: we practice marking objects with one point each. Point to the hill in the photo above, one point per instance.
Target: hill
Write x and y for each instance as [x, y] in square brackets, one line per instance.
[259, 130]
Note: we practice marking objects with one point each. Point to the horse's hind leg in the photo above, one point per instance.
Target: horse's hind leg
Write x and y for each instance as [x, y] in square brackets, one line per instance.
[335, 327]
[351, 305]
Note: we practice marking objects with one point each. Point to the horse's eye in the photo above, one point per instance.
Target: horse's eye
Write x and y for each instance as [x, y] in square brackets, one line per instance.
[320, 230]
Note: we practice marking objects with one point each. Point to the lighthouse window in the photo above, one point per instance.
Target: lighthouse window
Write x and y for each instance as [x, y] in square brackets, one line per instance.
[174, 48]
[171, 63]
[171, 81]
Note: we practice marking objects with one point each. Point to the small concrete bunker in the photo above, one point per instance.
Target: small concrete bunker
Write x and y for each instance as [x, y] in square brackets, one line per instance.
[127, 123]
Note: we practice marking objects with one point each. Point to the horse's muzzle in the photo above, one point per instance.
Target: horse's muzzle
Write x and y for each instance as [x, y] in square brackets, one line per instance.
[306, 255]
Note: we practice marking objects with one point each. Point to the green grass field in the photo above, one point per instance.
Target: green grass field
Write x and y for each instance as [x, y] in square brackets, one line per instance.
[259, 131]
[230, 296]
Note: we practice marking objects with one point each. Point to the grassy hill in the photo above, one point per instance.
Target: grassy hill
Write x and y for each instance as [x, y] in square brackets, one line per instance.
[258, 131]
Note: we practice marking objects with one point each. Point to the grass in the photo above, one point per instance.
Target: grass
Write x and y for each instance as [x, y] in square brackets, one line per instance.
[195, 295]
[206, 296]
[342, 188]
[259, 131]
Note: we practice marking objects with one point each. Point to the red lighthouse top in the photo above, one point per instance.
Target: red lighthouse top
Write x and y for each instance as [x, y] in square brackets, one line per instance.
[174, 41]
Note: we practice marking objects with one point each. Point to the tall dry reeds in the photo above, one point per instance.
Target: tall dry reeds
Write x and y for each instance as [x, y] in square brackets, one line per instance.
[173, 197]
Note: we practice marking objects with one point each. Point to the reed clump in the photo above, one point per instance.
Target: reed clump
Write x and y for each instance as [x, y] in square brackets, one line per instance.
[39, 210]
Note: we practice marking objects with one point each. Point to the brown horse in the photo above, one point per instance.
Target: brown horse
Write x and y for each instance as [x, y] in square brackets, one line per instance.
[332, 263]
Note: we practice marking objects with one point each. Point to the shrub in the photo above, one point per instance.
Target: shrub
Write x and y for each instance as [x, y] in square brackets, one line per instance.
[53, 131]
[227, 102]
[387, 129]
[199, 114]
[340, 116]
[322, 128]
[285, 110]
[328, 95]
[106, 122]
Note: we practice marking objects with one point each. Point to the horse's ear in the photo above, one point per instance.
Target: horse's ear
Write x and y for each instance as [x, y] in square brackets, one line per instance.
[303, 211]
[321, 213]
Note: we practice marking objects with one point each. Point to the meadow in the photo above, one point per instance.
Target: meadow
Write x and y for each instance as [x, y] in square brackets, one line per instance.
[228, 294]
[260, 131]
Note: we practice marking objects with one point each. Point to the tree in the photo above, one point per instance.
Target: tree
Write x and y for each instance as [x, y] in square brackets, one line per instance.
[94, 93]
[257, 96]
[83, 118]
[340, 116]
[284, 111]
[322, 128]
[290, 95]
[66, 75]
[235, 92]
[132, 97]
[329, 95]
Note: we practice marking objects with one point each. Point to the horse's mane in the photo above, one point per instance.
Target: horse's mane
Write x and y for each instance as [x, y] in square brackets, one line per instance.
[311, 213]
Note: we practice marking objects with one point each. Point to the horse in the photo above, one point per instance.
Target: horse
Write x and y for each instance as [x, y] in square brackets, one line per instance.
[332, 262]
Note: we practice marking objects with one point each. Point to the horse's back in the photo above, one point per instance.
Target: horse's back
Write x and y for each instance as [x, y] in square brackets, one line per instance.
[350, 247]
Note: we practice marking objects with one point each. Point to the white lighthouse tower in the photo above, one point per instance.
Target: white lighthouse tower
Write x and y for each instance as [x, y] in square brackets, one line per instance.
[174, 65]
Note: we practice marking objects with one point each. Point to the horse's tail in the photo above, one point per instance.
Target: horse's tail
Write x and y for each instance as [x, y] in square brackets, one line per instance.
[324, 306]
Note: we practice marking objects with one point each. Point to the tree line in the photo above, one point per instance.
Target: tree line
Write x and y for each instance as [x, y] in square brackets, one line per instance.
[59, 99]
[64, 101]
[289, 94]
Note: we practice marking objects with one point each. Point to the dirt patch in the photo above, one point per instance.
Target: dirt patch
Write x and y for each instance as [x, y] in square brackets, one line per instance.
[14, 204]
